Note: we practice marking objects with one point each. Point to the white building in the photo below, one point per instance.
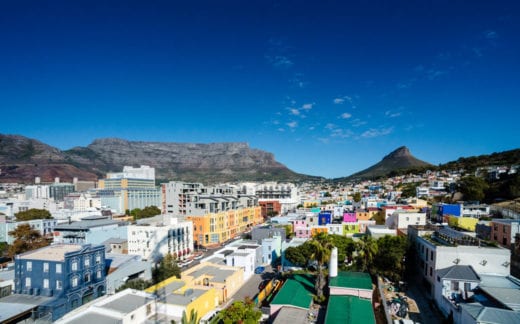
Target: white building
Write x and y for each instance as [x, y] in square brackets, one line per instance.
[271, 249]
[400, 219]
[437, 252]
[37, 191]
[152, 238]
[143, 172]
[126, 307]
[81, 202]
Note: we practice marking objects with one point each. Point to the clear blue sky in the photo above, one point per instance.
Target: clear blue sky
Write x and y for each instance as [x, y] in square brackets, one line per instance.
[329, 87]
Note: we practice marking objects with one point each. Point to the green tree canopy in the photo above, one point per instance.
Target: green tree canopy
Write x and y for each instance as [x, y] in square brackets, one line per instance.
[146, 212]
[473, 188]
[167, 268]
[33, 213]
[356, 197]
[391, 251]
[26, 239]
[241, 312]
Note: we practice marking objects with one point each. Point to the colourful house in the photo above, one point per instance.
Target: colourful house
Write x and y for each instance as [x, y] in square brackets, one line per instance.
[177, 297]
[350, 228]
[315, 230]
[301, 229]
[217, 228]
[349, 217]
[467, 223]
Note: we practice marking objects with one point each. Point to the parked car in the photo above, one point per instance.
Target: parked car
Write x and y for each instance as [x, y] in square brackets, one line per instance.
[262, 284]
[259, 270]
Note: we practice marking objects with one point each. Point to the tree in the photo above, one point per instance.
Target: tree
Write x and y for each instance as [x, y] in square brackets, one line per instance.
[295, 256]
[357, 197]
[241, 312]
[391, 251]
[345, 245]
[473, 188]
[138, 284]
[146, 212]
[322, 245]
[26, 239]
[366, 251]
[33, 213]
[167, 268]
[193, 319]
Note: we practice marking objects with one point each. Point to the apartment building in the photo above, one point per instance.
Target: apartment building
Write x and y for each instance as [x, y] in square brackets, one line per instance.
[152, 238]
[503, 231]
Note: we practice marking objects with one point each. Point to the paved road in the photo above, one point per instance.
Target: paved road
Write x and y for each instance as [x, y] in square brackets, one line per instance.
[250, 287]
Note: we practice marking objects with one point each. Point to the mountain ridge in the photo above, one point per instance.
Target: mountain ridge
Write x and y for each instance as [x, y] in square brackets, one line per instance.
[399, 159]
[23, 158]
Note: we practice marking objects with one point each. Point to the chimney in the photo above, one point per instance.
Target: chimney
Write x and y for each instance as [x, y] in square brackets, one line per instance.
[333, 263]
[57, 180]
[37, 180]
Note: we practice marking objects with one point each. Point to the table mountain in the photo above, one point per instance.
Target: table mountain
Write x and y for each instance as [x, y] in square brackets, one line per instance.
[24, 158]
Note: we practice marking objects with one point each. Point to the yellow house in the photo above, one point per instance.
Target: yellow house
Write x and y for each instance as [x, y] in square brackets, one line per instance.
[467, 223]
[177, 297]
[315, 230]
[217, 228]
[225, 280]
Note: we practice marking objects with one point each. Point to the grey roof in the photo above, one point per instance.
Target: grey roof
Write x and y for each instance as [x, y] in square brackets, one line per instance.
[490, 314]
[117, 260]
[505, 290]
[506, 296]
[8, 310]
[85, 225]
[25, 299]
[239, 254]
[219, 275]
[186, 298]
[171, 287]
[95, 318]
[127, 303]
[291, 315]
[459, 272]
[115, 240]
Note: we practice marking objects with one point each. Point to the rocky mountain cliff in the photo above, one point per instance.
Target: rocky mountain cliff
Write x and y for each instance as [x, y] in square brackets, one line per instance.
[23, 158]
[399, 159]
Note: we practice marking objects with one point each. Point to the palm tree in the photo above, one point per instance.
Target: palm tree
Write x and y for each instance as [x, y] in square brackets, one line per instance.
[367, 250]
[193, 317]
[322, 246]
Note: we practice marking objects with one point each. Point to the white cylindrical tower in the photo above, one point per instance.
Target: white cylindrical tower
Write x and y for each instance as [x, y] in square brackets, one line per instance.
[333, 263]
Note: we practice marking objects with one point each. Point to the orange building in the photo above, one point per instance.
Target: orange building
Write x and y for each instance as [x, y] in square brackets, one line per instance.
[217, 228]
[270, 208]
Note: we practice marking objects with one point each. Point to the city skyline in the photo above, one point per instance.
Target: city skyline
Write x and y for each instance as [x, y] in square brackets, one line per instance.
[329, 88]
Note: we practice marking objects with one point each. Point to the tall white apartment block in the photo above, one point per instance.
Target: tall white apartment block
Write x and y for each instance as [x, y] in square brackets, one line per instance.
[152, 238]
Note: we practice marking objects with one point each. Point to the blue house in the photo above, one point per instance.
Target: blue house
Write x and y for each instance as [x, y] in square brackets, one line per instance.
[67, 275]
[324, 218]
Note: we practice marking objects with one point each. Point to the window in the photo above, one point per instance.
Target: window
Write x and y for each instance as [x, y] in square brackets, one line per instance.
[46, 283]
[58, 268]
[431, 271]
[86, 277]
[29, 265]
[148, 309]
[87, 261]
[75, 282]
[455, 286]
[58, 284]
[45, 267]
[98, 274]
[74, 265]
[27, 282]
[98, 258]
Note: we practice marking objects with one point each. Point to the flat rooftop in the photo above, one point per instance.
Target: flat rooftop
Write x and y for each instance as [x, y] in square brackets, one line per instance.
[90, 316]
[357, 280]
[51, 252]
[127, 303]
[349, 309]
[186, 298]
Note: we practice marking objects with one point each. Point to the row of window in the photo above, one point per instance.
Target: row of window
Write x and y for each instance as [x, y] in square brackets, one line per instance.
[74, 281]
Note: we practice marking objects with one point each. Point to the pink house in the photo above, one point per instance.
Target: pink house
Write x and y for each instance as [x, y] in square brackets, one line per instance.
[349, 217]
[301, 229]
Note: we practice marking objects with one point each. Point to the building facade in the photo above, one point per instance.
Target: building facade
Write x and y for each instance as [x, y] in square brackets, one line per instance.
[71, 274]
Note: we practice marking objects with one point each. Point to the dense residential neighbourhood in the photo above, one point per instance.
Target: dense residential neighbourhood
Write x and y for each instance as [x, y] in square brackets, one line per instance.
[407, 248]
